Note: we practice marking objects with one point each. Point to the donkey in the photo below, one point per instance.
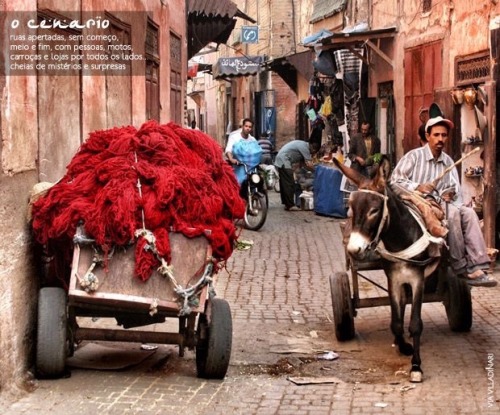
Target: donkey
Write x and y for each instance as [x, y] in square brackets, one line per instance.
[378, 214]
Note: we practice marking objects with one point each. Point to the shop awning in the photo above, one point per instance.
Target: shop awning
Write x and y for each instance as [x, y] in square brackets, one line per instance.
[325, 8]
[288, 66]
[355, 40]
[237, 66]
[195, 67]
[211, 21]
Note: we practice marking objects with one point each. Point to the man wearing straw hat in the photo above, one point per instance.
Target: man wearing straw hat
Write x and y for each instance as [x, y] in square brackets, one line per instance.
[424, 169]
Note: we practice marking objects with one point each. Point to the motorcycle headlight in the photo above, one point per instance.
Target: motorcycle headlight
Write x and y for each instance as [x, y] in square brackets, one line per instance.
[255, 178]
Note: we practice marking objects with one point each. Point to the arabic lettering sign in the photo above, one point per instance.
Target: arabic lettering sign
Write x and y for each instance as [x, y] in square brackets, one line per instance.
[238, 66]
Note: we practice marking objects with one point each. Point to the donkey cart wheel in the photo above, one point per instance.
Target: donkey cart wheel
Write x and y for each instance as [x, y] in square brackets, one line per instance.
[343, 314]
[51, 340]
[458, 304]
[213, 348]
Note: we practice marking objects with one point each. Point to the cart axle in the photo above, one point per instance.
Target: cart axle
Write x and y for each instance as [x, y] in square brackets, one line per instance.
[130, 336]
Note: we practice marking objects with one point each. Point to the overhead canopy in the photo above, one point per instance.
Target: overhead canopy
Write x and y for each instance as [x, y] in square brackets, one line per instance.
[211, 21]
[355, 40]
[287, 67]
[326, 8]
[195, 67]
[237, 66]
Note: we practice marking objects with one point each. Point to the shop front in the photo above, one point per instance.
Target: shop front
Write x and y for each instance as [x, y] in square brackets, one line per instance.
[472, 103]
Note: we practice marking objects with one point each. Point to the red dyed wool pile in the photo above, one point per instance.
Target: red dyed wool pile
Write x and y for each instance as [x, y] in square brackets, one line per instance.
[185, 183]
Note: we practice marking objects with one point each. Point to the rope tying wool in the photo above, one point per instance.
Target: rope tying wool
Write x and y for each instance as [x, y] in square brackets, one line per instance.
[89, 282]
[159, 177]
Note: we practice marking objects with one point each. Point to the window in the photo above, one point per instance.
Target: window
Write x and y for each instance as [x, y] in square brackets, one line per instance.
[119, 83]
[175, 79]
[426, 6]
[152, 72]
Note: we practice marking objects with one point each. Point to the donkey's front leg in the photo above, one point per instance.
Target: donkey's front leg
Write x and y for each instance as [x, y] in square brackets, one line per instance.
[397, 295]
[416, 328]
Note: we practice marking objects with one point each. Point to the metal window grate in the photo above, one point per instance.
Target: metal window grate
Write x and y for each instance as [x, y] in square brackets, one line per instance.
[472, 69]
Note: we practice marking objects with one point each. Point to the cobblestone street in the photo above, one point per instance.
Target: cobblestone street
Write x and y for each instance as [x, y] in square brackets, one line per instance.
[282, 322]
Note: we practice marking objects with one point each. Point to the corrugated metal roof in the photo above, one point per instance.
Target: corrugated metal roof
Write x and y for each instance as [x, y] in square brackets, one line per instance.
[210, 7]
[211, 21]
[326, 8]
[203, 31]
[222, 8]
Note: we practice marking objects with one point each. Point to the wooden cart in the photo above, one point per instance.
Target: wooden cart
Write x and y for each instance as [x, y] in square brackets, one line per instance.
[188, 295]
[442, 286]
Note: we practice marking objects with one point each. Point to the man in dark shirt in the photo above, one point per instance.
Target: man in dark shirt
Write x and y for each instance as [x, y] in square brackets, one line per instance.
[362, 148]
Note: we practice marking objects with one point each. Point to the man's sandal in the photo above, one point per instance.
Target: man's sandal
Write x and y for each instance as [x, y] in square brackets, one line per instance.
[479, 279]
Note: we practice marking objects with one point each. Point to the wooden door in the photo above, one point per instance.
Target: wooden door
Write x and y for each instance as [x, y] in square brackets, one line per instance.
[423, 74]
[490, 166]
[59, 118]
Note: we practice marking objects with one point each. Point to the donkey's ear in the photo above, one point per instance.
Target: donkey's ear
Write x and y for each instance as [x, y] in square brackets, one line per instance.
[385, 167]
[382, 175]
[353, 175]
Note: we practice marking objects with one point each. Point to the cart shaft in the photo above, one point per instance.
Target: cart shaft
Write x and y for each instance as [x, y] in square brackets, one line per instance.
[129, 336]
[384, 301]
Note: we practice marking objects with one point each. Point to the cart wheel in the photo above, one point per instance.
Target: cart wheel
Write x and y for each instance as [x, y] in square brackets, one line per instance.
[213, 348]
[458, 304]
[343, 314]
[51, 341]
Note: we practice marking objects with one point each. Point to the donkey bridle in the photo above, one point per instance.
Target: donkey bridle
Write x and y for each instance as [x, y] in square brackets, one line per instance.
[406, 255]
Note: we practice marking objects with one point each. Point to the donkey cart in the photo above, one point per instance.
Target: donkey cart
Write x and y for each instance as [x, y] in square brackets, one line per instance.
[442, 286]
[107, 288]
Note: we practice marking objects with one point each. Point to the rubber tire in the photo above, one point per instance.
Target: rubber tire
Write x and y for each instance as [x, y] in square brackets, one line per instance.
[343, 313]
[264, 208]
[458, 304]
[51, 337]
[213, 350]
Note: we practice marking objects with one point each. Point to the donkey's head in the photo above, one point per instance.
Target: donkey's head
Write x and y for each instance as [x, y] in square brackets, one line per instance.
[367, 208]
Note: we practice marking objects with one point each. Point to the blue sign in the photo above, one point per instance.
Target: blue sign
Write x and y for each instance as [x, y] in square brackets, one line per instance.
[249, 34]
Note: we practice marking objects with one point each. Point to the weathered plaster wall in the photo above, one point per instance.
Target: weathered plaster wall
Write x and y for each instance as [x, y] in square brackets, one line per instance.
[17, 285]
[283, 24]
[20, 141]
[461, 26]
[18, 148]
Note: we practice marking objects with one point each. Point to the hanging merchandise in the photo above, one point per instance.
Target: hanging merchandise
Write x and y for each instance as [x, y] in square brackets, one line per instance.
[325, 64]
[470, 96]
[326, 108]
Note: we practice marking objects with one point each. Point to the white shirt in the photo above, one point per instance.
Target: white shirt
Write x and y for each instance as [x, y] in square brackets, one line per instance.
[234, 137]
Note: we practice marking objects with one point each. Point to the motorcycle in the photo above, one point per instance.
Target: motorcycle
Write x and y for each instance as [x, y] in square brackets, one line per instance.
[272, 177]
[253, 190]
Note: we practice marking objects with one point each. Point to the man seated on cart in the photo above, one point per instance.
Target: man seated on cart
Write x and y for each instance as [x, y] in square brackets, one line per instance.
[416, 171]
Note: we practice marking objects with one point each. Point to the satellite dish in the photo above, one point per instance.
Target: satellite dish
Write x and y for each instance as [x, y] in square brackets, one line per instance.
[435, 111]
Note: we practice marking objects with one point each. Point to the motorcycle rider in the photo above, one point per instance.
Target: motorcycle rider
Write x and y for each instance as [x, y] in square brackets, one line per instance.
[235, 137]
